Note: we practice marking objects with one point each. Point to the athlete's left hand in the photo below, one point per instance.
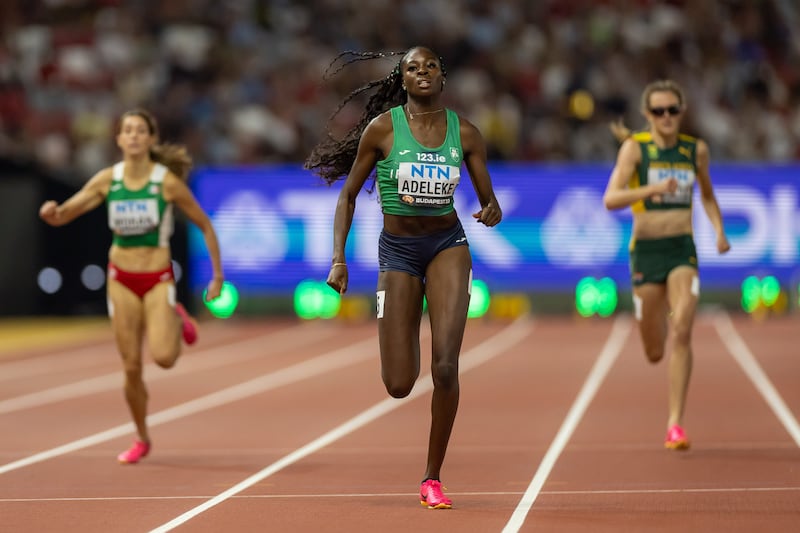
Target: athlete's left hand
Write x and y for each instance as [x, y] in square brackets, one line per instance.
[722, 243]
[490, 215]
[214, 289]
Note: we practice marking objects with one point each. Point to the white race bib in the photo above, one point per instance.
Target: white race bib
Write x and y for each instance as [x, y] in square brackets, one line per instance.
[685, 178]
[427, 184]
[133, 217]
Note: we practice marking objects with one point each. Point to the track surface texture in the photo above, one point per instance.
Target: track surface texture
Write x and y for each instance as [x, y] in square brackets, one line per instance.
[282, 425]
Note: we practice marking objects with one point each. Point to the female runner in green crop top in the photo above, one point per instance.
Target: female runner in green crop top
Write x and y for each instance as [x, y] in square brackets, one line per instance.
[140, 192]
[655, 175]
[418, 147]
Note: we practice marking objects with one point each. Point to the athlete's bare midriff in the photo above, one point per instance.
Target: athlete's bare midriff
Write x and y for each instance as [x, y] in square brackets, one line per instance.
[662, 224]
[424, 225]
[140, 258]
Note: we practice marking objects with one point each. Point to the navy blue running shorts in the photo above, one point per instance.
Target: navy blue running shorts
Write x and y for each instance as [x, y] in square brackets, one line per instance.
[413, 254]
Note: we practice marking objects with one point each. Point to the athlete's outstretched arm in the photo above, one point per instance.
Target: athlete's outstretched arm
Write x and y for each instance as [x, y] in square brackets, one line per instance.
[366, 157]
[87, 198]
[177, 192]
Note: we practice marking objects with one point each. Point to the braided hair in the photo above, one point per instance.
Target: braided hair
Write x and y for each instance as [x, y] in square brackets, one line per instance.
[331, 159]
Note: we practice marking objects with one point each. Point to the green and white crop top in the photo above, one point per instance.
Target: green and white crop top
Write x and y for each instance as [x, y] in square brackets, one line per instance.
[415, 180]
[141, 217]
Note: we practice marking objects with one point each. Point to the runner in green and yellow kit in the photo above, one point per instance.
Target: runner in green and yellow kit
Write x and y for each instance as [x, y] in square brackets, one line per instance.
[655, 175]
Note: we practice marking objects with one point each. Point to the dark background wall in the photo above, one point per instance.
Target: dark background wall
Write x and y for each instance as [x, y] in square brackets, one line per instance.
[20, 245]
[28, 245]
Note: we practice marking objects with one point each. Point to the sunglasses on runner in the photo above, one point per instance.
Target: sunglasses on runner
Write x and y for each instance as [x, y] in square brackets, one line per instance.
[672, 110]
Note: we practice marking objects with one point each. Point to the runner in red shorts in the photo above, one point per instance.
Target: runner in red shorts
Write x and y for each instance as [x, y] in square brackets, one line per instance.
[141, 192]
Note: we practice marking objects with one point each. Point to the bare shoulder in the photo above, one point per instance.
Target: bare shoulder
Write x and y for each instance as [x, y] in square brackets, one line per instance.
[104, 174]
[170, 178]
[174, 187]
[380, 125]
[630, 151]
[378, 135]
[470, 134]
[465, 126]
[101, 181]
[702, 148]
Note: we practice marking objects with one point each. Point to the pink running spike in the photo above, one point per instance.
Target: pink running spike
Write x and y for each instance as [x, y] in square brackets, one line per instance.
[189, 324]
[132, 455]
[431, 495]
[676, 439]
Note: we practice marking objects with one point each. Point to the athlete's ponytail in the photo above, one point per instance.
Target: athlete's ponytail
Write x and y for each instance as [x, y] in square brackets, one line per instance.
[174, 157]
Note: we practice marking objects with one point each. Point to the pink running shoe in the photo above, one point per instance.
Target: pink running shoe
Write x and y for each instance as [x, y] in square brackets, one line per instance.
[189, 324]
[431, 495]
[132, 455]
[676, 439]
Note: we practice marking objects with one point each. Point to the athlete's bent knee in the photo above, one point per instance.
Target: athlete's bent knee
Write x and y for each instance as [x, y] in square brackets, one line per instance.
[398, 388]
[398, 391]
[165, 359]
[654, 354]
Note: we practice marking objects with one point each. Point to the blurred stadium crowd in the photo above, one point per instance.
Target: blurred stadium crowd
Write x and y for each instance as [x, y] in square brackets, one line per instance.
[241, 81]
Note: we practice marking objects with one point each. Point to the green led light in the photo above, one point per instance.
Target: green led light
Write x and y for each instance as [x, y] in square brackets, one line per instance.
[478, 300]
[596, 296]
[586, 297]
[770, 290]
[751, 293]
[314, 299]
[331, 302]
[607, 296]
[225, 304]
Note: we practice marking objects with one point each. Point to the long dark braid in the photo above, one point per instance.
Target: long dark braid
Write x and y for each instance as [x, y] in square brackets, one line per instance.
[332, 158]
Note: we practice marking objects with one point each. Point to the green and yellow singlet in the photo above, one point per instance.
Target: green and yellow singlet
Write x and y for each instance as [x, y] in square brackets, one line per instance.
[679, 162]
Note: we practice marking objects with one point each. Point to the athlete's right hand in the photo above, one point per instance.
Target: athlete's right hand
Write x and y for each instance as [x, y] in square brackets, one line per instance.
[663, 187]
[49, 212]
[337, 278]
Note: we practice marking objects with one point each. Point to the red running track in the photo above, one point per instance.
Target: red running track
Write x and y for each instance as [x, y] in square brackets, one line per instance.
[284, 426]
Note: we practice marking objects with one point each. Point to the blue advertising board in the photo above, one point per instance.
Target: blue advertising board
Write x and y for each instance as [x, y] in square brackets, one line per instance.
[275, 225]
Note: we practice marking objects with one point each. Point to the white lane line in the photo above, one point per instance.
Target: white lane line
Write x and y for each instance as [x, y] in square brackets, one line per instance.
[359, 495]
[55, 360]
[71, 359]
[61, 392]
[739, 350]
[476, 356]
[321, 364]
[609, 354]
[202, 359]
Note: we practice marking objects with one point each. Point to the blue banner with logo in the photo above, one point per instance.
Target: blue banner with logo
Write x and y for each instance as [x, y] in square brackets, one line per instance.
[275, 225]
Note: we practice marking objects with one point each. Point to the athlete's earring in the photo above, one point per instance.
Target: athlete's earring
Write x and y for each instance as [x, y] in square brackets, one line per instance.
[404, 88]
